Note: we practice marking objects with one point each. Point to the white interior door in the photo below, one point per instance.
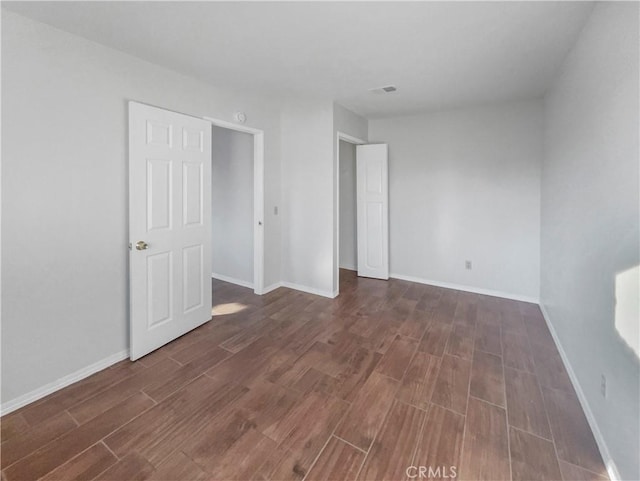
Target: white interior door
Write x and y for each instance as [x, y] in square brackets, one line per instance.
[169, 226]
[373, 210]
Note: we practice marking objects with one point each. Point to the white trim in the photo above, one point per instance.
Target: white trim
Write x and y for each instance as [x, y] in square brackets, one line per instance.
[612, 470]
[258, 198]
[231, 280]
[350, 138]
[459, 287]
[310, 290]
[349, 268]
[65, 381]
[233, 126]
[272, 287]
[336, 199]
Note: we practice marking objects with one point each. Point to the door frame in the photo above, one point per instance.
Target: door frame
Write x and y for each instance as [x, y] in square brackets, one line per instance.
[258, 197]
[336, 240]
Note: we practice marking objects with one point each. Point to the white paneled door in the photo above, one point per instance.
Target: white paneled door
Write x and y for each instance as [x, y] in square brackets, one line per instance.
[169, 226]
[372, 193]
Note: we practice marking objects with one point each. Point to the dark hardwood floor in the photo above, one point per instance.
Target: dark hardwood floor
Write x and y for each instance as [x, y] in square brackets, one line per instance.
[291, 386]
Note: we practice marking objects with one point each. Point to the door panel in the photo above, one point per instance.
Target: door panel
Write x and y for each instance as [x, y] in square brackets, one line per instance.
[170, 217]
[373, 210]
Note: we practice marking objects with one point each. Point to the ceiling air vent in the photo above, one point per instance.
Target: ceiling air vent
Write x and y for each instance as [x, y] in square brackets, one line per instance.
[384, 90]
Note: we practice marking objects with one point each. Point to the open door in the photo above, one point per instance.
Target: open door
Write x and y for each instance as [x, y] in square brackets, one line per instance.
[169, 226]
[373, 210]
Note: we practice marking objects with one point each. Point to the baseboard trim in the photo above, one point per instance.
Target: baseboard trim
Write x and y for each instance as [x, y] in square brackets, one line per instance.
[232, 280]
[63, 382]
[307, 289]
[272, 287]
[597, 434]
[459, 287]
[349, 268]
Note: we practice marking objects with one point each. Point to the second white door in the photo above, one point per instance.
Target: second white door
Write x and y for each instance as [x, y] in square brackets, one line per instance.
[372, 198]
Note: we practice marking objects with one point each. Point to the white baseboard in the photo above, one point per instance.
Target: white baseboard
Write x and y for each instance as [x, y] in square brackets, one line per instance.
[310, 290]
[232, 280]
[349, 268]
[52, 387]
[458, 287]
[612, 470]
[272, 287]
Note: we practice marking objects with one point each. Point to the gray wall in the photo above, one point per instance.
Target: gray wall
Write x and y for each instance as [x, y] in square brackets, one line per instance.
[348, 219]
[232, 204]
[465, 185]
[64, 194]
[590, 215]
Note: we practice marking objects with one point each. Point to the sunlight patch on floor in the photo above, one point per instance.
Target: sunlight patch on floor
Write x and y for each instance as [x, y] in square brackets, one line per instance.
[226, 309]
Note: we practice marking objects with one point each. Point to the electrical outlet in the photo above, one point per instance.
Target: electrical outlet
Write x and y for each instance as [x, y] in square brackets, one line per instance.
[467, 265]
[603, 386]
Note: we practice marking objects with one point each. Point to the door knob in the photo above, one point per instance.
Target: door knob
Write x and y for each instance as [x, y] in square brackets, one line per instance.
[141, 245]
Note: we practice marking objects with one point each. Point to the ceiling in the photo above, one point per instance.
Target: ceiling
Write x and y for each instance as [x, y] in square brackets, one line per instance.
[439, 54]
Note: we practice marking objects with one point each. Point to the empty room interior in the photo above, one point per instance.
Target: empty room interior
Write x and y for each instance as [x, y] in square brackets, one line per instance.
[320, 241]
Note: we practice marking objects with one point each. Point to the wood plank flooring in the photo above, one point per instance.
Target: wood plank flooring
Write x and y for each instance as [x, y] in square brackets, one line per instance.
[291, 386]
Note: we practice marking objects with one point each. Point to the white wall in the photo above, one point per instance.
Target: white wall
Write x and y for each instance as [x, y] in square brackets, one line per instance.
[348, 220]
[307, 195]
[465, 185]
[590, 217]
[64, 193]
[232, 205]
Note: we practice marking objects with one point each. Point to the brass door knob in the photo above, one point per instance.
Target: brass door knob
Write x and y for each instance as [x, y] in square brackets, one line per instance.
[141, 245]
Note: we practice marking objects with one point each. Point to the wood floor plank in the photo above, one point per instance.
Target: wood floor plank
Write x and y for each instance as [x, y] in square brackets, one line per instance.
[415, 325]
[132, 467]
[178, 467]
[571, 432]
[571, 472]
[532, 458]
[337, 461]
[487, 379]
[452, 385]
[229, 448]
[85, 466]
[77, 440]
[395, 361]
[171, 382]
[368, 411]
[71, 395]
[394, 446]
[435, 337]
[420, 380]
[282, 465]
[549, 368]
[488, 338]
[34, 438]
[307, 426]
[102, 401]
[440, 444]
[485, 451]
[516, 351]
[461, 341]
[163, 428]
[267, 404]
[12, 424]
[466, 313]
[525, 403]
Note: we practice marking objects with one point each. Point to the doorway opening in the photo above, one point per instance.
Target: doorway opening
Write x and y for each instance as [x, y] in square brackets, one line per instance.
[237, 206]
[345, 242]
